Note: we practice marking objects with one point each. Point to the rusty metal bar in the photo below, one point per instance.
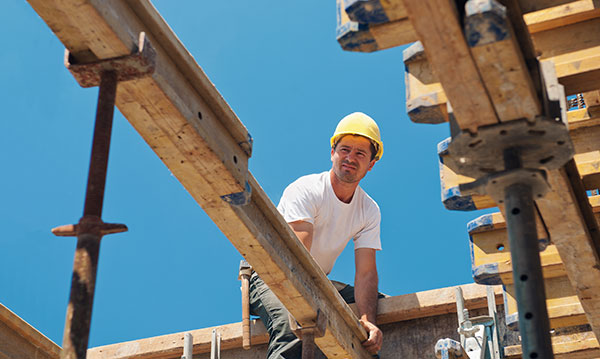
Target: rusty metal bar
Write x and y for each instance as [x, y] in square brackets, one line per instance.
[94, 197]
[89, 229]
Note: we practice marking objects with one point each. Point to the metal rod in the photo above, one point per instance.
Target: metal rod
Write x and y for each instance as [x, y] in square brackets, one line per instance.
[308, 344]
[89, 232]
[215, 345]
[534, 325]
[460, 307]
[188, 345]
[493, 313]
[94, 196]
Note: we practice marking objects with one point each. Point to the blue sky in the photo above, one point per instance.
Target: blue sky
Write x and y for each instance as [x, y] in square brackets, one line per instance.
[281, 70]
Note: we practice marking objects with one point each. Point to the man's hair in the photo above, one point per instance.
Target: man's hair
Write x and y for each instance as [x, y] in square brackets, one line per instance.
[372, 146]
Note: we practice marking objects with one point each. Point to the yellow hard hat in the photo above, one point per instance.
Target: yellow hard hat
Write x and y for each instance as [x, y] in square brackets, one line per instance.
[358, 123]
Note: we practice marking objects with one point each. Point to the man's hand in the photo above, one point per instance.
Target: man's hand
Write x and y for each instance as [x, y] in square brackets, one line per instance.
[373, 344]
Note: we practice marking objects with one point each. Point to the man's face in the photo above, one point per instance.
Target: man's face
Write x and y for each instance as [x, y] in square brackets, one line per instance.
[351, 158]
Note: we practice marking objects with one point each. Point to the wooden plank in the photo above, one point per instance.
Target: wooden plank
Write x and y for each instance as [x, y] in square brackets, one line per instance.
[499, 58]
[375, 11]
[561, 15]
[490, 252]
[208, 153]
[425, 97]
[438, 27]
[564, 308]
[354, 36]
[574, 230]
[18, 339]
[578, 345]
[427, 102]
[396, 309]
[171, 345]
[575, 50]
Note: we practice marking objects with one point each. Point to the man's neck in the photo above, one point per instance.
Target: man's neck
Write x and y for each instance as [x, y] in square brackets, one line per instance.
[344, 191]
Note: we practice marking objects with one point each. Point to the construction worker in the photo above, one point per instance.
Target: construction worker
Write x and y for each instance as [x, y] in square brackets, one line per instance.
[325, 211]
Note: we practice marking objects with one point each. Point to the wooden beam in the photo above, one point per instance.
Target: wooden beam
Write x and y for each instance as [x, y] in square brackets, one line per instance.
[490, 252]
[396, 309]
[564, 308]
[375, 11]
[438, 28]
[575, 50]
[560, 15]
[581, 345]
[497, 53]
[18, 339]
[187, 123]
[573, 229]
[354, 36]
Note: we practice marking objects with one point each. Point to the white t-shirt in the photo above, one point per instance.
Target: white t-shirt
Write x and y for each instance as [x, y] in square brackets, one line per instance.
[311, 199]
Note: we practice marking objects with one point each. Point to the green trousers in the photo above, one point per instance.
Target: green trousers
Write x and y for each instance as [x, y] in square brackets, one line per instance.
[283, 344]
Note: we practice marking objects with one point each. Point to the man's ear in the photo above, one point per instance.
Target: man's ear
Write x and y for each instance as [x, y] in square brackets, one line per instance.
[371, 165]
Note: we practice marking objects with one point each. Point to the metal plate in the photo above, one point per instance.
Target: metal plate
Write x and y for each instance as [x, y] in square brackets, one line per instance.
[544, 143]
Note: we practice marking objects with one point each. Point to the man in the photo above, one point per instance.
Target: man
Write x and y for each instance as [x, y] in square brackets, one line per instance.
[325, 211]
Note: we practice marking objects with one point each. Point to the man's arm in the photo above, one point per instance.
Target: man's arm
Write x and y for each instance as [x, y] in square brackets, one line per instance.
[304, 232]
[365, 293]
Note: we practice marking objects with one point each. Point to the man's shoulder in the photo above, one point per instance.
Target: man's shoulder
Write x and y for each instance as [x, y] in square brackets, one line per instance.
[368, 202]
[312, 181]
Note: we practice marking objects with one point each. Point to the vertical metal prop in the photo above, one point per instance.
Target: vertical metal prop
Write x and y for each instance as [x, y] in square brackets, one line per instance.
[188, 345]
[90, 229]
[534, 325]
[215, 345]
[460, 307]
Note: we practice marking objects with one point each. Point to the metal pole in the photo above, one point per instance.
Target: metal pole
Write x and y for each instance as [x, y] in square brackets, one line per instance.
[308, 344]
[534, 325]
[460, 307]
[89, 232]
[188, 345]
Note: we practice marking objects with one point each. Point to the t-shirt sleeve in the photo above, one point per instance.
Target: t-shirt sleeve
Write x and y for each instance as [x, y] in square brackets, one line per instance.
[298, 203]
[369, 237]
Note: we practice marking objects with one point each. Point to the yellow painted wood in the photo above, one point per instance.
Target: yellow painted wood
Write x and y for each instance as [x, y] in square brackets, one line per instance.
[561, 15]
[578, 345]
[575, 50]
[564, 308]
[492, 246]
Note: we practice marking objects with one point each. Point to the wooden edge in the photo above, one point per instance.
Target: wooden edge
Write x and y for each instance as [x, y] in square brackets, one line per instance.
[582, 345]
[561, 15]
[28, 332]
[391, 309]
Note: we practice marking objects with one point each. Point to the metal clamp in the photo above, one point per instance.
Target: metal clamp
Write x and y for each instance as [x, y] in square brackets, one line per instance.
[129, 67]
[308, 334]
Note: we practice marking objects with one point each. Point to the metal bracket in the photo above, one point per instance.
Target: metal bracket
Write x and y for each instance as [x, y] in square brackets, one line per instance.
[308, 334]
[239, 198]
[495, 184]
[129, 67]
[544, 143]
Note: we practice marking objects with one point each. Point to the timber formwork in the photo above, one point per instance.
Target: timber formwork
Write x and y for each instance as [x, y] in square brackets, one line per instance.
[461, 73]
[184, 119]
